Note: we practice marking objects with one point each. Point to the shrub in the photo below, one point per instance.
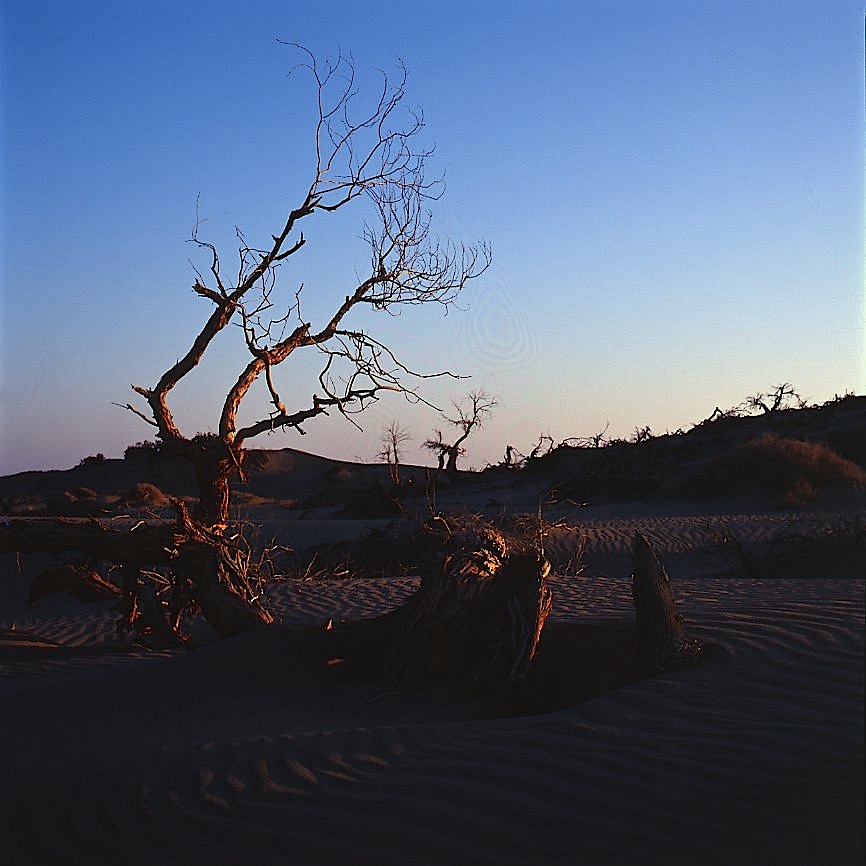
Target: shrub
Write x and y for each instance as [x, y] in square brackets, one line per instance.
[796, 471]
[141, 450]
[147, 494]
[93, 459]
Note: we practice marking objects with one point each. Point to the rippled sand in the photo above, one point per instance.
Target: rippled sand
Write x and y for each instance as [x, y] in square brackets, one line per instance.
[240, 753]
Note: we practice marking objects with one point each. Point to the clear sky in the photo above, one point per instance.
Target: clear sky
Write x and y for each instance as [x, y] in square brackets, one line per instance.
[673, 192]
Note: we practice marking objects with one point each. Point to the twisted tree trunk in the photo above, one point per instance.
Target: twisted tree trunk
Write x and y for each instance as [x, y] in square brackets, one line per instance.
[218, 570]
[213, 491]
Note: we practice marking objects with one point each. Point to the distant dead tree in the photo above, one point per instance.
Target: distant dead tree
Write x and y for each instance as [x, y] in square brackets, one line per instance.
[541, 448]
[597, 440]
[393, 440]
[472, 412]
[719, 414]
[362, 153]
[515, 460]
[781, 396]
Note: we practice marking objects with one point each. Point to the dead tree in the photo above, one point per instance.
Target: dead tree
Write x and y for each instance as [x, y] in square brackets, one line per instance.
[373, 157]
[782, 396]
[363, 154]
[541, 448]
[393, 440]
[440, 448]
[471, 415]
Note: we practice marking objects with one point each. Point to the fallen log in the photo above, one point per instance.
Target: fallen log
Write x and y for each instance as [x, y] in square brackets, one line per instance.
[662, 641]
[206, 567]
[142, 543]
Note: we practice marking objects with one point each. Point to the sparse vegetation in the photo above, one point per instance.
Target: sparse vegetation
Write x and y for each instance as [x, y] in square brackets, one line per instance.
[793, 455]
[80, 502]
[141, 450]
[147, 495]
[793, 471]
[93, 459]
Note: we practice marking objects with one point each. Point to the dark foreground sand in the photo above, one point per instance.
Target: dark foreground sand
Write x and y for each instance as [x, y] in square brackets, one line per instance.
[247, 752]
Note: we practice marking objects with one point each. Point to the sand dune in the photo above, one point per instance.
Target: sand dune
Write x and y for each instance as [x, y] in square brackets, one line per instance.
[243, 752]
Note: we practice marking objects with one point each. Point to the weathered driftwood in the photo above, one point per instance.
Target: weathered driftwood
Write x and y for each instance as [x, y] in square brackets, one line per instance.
[662, 641]
[476, 619]
[204, 565]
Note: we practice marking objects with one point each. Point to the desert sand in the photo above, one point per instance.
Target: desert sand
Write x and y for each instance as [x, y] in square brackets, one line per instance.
[248, 751]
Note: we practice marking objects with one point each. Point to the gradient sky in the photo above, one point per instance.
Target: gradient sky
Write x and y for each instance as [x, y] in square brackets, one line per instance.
[673, 192]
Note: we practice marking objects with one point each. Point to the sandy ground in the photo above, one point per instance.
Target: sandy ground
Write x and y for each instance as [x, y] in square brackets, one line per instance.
[248, 751]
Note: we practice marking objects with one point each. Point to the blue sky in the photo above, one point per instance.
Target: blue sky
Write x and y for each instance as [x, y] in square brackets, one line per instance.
[673, 192]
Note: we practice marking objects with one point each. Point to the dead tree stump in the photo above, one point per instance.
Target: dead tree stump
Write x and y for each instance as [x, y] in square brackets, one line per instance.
[475, 620]
[662, 641]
